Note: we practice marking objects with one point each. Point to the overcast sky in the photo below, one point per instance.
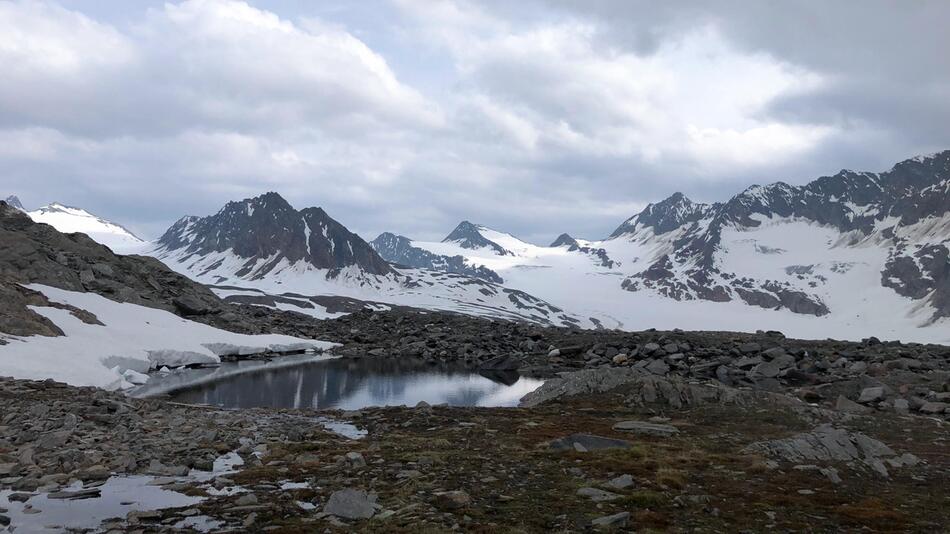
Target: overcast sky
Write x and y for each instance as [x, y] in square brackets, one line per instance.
[410, 115]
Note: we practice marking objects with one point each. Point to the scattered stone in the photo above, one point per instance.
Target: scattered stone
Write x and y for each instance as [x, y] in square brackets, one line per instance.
[597, 495]
[588, 442]
[621, 482]
[452, 500]
[355, 460]
[615, 520]
[844, 404]
[646, 429]
[873, 394]
[934, 407]
[246, 500]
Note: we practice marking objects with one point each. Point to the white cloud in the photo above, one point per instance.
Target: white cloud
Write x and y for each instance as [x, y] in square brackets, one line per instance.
[532, 118]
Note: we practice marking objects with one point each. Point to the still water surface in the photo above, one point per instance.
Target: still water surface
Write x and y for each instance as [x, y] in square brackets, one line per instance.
[351, 384]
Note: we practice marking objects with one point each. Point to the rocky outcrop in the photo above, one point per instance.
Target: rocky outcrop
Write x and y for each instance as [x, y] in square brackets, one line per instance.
[399, 250]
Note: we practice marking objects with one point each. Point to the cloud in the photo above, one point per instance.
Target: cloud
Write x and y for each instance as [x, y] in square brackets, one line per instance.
[536, 117]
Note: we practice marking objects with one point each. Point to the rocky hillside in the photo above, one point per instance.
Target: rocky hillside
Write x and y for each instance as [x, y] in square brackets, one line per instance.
[38, 253]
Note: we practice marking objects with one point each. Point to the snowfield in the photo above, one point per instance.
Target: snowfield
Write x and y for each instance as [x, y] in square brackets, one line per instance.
[847, 277]
[68, 219]
[133, 340]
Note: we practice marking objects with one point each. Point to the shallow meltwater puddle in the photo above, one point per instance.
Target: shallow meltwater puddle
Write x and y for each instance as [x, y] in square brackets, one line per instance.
[78, 507]
[351, 384]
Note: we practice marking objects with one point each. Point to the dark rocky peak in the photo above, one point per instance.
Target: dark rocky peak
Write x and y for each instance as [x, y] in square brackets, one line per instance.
[14, 202]
[268, 227]
[388, 243]
[565, 240]
[664, 216]
[468, 235]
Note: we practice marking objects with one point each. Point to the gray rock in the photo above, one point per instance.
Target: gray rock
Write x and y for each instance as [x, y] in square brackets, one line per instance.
[658, 367]
[827, 443]
[621, 482]
[589, 442]
[844, 404]
[355, 459]
[646, 429]
[597, 495]
[873, 394]
[452, 500]
[765, 370]
[934, 407]
[246, 500]
[351, 504]
[901, 406]
[749, 348]
[615, 520]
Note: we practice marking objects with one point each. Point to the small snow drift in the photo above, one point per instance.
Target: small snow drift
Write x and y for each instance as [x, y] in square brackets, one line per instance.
[130, 340]
[68, 219]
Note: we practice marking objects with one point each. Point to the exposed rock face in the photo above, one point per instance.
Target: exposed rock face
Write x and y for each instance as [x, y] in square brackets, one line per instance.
[37, 253]
[14, 202]
[599, 254]
[906, 210]
[467, 235]
[641, 389]
[827, 443]
[267, 232]
[399, 250]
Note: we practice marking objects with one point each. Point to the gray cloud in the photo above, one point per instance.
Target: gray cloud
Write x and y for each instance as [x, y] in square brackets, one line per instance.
[536, 117]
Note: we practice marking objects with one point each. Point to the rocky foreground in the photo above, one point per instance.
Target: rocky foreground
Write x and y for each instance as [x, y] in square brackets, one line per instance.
[662, 431]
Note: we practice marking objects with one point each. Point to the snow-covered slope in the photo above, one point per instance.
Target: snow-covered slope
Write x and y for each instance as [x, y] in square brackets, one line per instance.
[130, 340]
[68, 219]
[263, 244]
[851, 255]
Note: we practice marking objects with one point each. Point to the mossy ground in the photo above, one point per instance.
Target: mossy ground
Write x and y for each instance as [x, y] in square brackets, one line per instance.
[698, 480]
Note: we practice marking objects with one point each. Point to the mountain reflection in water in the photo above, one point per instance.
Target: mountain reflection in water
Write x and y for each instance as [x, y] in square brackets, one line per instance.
[350, 384]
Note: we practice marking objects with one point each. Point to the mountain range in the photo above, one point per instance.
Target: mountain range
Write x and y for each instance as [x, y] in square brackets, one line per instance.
[847, 255]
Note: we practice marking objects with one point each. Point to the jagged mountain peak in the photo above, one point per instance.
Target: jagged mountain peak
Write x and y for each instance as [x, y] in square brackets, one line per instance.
[14, 202]
[664, 216]
[266, 233]
[565, 239]
[469, 235]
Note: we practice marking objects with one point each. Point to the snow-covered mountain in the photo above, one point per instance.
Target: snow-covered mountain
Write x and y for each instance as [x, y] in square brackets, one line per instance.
[262, 246]
[849, 255]
[13, 201]
[68, 219]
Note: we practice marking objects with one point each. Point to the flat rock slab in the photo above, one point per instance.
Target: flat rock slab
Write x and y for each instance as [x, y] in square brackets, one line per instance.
[351, 504]
[615, 520]
[597, 495]
[588, 442]
[646, 429]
